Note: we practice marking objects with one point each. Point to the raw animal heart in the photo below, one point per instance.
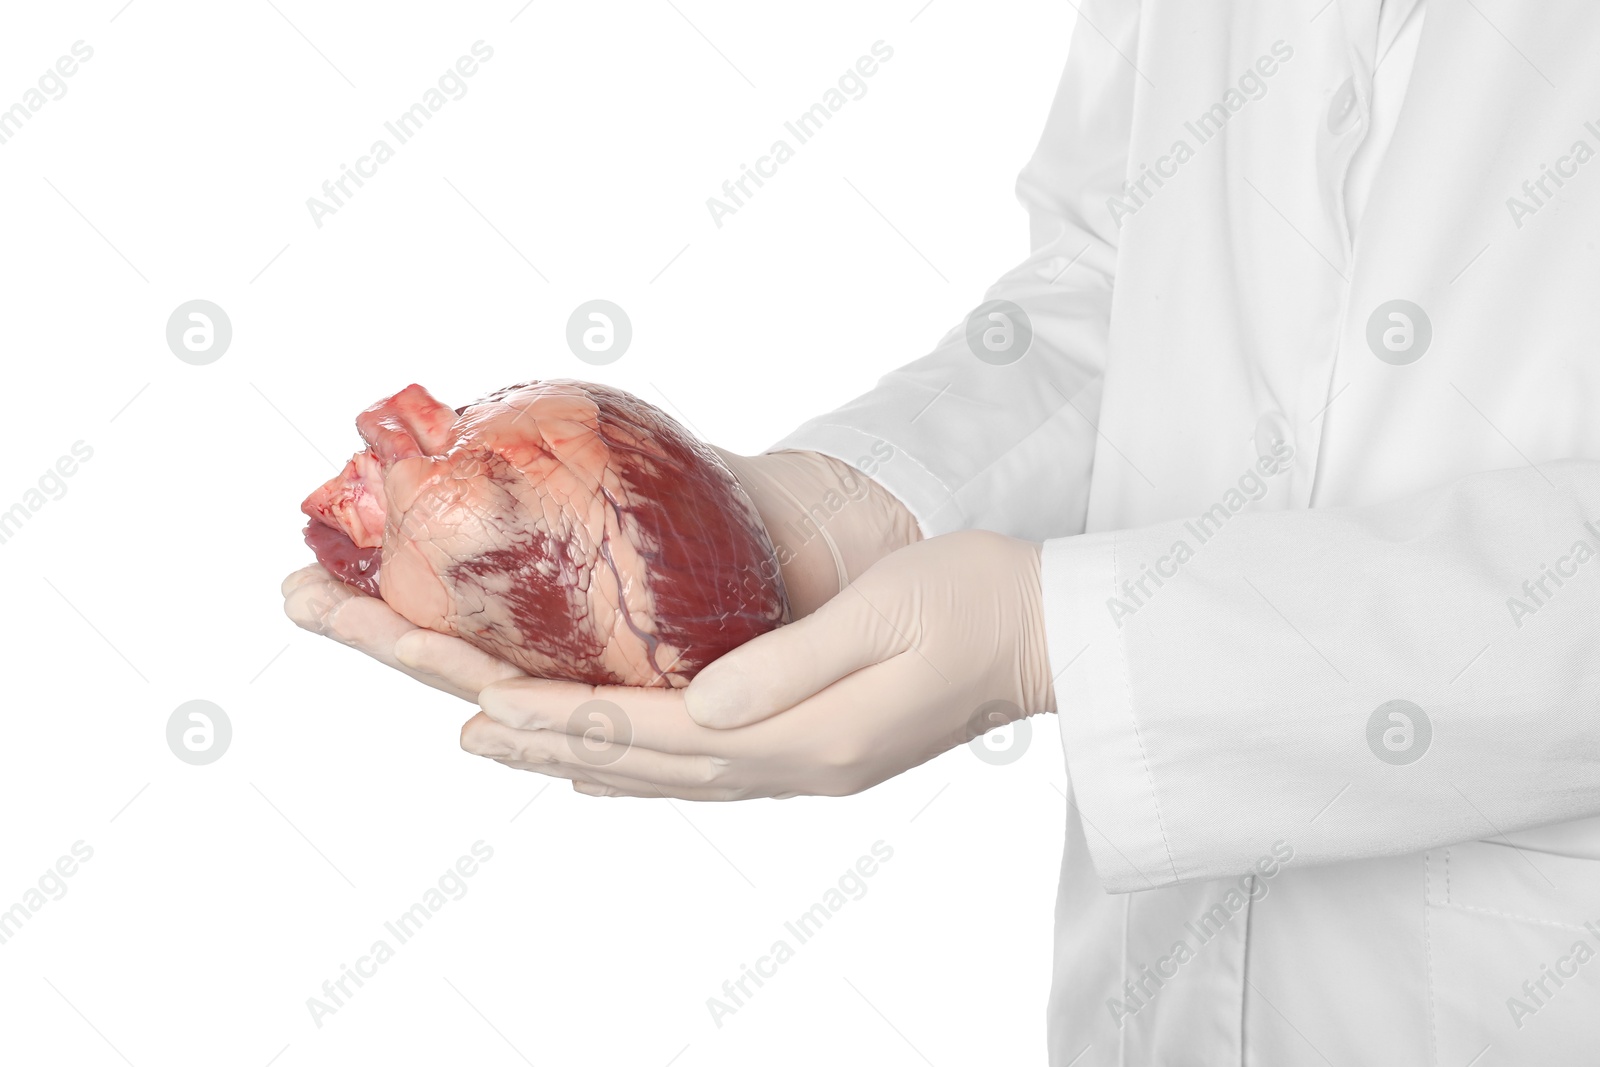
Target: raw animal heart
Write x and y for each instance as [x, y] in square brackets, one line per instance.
[568, 528]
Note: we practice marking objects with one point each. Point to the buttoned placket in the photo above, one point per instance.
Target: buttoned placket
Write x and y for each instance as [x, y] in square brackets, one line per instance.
[1345, 123]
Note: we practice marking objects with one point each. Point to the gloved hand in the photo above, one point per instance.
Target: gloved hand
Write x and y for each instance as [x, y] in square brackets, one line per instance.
[319, 602]
[933, 645]
[828, 522]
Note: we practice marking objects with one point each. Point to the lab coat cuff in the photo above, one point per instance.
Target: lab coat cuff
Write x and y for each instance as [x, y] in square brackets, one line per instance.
[928, 499]
[1109, 775]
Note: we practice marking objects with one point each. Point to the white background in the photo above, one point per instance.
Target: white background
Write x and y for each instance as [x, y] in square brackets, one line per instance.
[219, 898]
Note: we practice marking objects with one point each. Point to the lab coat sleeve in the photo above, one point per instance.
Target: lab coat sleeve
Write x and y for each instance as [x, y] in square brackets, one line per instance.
[1346, 682]
[953, 436]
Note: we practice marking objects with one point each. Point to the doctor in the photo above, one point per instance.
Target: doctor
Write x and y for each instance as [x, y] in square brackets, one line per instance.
[1274, 470]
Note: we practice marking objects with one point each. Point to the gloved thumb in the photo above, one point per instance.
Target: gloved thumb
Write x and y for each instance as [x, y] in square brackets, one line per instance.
[782, 668]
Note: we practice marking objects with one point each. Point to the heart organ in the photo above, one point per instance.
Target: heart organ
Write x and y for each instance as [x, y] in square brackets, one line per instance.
[568, 528]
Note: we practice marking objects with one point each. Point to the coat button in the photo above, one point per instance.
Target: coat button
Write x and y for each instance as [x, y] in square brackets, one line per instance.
[1272, 431]
[1342, 109]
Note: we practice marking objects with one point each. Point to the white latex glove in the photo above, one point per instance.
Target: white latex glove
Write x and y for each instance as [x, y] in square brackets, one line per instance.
[319, 602]
[932, 646]
[828, 521]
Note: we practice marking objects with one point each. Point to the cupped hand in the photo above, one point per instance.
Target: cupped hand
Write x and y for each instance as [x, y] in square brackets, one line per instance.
[828, 522]
[930, 647]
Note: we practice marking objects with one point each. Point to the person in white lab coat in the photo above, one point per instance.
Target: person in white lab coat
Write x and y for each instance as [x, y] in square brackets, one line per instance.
[1274, 470]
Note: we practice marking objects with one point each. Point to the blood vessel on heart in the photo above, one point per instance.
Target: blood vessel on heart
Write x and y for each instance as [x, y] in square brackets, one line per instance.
[568, 528]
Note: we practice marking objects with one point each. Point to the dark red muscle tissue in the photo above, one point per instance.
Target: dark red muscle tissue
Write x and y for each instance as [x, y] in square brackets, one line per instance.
[568, 528]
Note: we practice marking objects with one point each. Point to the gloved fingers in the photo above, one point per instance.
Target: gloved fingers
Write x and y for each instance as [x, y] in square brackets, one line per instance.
[549, 770]
[859, 731]
[538, 703]
[311, 573]
[600, 784]
[325, 606]
[646, 791]
[781, 668]
[609, 785]
[462, 667]
[648, 718]
[788, 747]
[332, 609]
[588, 756]
[311, 597]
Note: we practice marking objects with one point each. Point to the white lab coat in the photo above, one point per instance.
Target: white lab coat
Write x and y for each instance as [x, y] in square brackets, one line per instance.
[1238, 783]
